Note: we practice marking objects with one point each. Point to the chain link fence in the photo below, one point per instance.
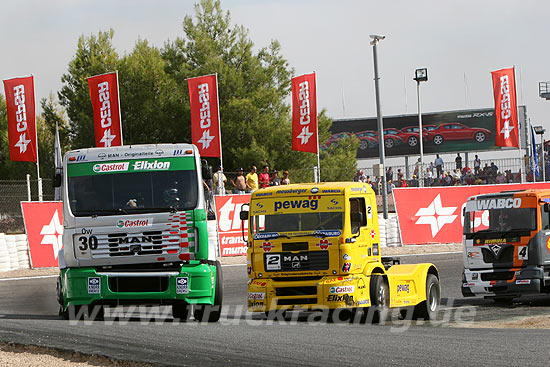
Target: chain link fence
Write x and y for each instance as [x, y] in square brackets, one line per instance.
[12, 192]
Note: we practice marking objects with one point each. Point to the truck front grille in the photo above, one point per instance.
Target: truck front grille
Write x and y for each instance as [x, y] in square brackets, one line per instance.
[297, 261]
[505, 256]
[143, 243]
[296, 291]
[500, 275]
[138, 284]
[296, 301]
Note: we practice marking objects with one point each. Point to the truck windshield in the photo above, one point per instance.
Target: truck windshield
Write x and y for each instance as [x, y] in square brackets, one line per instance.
[500, 220]
[294, 222]
[130, 193]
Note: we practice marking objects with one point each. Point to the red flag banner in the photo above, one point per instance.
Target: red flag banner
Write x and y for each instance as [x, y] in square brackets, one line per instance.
[304, 114]
[504, 89]
[106, 105]
[205, 122]
[21, 118]
[44, 227]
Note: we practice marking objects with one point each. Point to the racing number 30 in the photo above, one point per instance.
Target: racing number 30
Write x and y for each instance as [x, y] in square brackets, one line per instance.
[85, 242]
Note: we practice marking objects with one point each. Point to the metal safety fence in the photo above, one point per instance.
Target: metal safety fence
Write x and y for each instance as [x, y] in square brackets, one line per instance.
[12, 192]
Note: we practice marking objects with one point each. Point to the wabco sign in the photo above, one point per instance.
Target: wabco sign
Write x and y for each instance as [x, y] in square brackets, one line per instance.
[434, 214]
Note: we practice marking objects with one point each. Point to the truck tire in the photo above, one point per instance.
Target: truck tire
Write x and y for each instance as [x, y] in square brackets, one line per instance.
[427, 309]
[211, 313]
[180, 311]
[380, 299]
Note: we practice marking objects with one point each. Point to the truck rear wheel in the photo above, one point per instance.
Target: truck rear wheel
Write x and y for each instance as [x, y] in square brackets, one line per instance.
[211, 313]
[380, 298]
[427, 309]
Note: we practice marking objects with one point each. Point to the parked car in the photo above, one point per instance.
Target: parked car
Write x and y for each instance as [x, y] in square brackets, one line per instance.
[334, 139]
[410, 135]
[392, 138]
[456, 131]
[367, 139]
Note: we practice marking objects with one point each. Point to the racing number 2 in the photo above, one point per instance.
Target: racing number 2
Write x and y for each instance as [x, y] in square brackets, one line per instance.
[85, 242]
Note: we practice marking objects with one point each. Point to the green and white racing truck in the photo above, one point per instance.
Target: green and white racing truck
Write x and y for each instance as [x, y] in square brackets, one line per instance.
[135, 232]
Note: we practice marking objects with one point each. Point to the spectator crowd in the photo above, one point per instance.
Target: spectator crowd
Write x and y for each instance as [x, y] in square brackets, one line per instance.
[436, 175]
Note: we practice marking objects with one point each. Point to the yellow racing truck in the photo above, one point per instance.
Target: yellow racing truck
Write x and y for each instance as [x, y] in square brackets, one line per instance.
[316, 246]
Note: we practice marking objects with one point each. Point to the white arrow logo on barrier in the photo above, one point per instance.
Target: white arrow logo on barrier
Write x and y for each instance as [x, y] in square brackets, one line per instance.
[53, 234]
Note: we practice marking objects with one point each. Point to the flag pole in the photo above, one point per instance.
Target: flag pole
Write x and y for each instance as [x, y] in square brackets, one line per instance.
[521, 160]
[317, 133]
[119, 109]
[39, 179]
[221, 186]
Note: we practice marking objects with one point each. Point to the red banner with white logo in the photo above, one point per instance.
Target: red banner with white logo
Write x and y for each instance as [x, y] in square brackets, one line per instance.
[304, 114]
[44, 227]
[21, 118]
[205, 122]
[506, 113]
[229, 224]
[106, 106]
[434, 214]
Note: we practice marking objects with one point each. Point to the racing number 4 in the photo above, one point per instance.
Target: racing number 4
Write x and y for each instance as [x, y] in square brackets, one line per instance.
[523, 254]
[86, 242]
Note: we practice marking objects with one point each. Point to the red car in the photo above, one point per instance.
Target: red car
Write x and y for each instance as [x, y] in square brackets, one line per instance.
[393, 137]
[367, 139]
[334, 139]
[390, 140]
[410, 135]
[456, 131]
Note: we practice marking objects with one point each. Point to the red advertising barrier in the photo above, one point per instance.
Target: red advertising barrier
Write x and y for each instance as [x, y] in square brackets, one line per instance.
[44, 227]
[434, 214]
[228, 208]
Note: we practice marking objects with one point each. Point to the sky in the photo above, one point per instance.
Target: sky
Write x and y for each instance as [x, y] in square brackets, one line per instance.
[460, 42]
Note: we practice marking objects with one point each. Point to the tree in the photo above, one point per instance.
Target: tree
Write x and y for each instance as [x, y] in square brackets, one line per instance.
[94, 55]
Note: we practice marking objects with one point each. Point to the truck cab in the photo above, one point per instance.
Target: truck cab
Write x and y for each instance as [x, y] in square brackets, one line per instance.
[507, 244]
[317, 246]
[135, 232]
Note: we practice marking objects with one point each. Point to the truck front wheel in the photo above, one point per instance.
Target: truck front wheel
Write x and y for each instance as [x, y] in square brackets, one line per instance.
[380, 298]
[427, 309]
[211, 313]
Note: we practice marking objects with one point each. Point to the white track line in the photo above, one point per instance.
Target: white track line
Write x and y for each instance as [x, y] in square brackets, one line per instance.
[24, 278]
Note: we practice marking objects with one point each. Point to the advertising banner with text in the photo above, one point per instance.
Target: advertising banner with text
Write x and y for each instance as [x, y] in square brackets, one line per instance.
[444, 132]
[434, 214]
[230, 233]
[44, 227]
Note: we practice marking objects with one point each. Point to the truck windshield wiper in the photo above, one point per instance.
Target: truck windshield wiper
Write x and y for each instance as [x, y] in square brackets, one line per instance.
[321, 233]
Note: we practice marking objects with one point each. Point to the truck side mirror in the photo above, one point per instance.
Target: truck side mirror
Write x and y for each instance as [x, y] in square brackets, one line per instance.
[244, 214]
[206, 171]
[356, 220]
[56, 182]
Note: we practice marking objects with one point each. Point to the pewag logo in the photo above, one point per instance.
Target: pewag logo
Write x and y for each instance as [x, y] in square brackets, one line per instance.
[312, 204]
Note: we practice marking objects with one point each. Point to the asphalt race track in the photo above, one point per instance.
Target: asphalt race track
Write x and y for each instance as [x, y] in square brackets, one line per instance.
[28, 315]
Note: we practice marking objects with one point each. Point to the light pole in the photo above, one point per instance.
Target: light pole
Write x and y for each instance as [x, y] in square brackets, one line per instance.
[539, 130]
[374, 42]
[420, 75]
[544, 92]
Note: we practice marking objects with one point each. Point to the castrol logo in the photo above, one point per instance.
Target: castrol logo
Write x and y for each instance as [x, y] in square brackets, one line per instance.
[111, 167]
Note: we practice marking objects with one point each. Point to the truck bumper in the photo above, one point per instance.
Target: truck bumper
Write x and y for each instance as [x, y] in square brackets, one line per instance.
[325, 292]
[501, 282]
[194, 284]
